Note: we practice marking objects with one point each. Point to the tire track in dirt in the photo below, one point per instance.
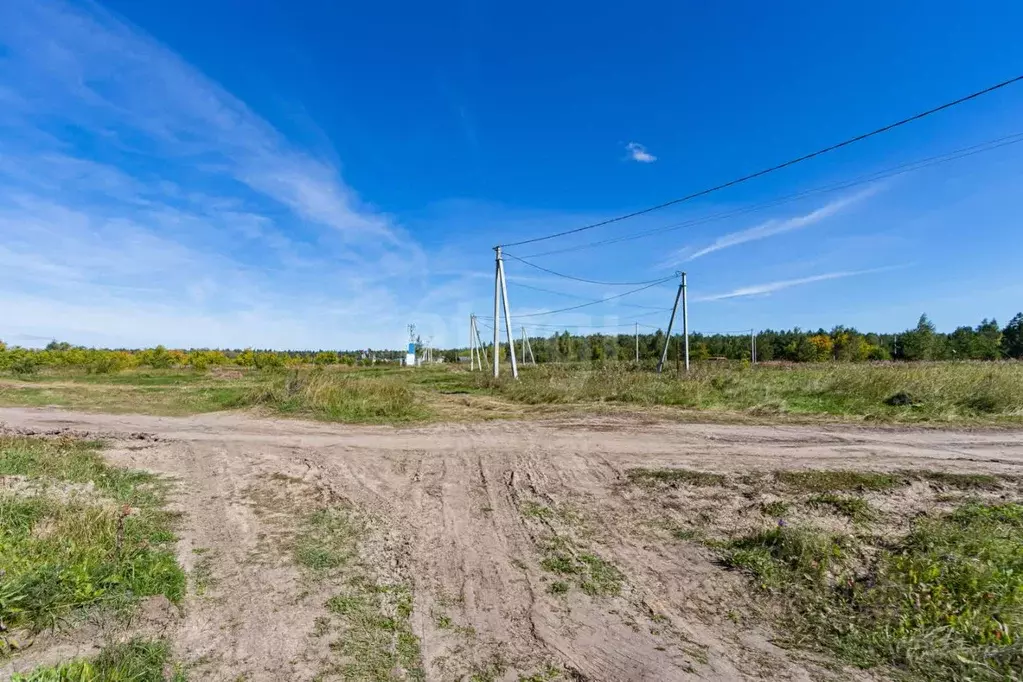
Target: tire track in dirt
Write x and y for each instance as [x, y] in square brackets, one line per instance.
[451, 498]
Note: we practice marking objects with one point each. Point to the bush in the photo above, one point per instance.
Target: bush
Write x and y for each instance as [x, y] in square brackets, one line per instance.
[202, 360]
[157, 358]
[106, 362]
[25, 363]
[268, 361]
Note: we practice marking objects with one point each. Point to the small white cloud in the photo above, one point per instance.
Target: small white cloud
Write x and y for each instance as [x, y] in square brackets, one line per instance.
[771, 287]
[638, 152]
[772, 227]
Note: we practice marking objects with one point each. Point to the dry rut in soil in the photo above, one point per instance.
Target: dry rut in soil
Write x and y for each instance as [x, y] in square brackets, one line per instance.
[523, 553]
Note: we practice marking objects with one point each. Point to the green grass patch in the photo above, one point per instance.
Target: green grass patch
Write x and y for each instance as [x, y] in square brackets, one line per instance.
[371, 619]
[326, 540]
[63, 554]
[853, 508]
[675, 477]
[775, 508]
[548, 674]
[822, 480]
[535, 510]
[772, 555]
[202, 573]
[136, 661]
[945, 602]
[592, 574]
[78, 461]
[376, 642]
[686, 534]
[948, 479]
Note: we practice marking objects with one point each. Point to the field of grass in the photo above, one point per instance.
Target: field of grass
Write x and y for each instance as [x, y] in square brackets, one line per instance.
[77, 538]
[940, 393]
[914, 582]
[944, 602]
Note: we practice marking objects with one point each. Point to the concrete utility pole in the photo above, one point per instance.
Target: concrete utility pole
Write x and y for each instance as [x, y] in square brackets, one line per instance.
[671, 324]
[685, 319]
[527, 346]
[480, 348]
[501, 292]
[497, 312]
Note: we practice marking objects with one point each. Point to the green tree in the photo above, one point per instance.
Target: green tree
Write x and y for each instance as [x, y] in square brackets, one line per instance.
[988, 341]
[919, 343]
[1012, 338]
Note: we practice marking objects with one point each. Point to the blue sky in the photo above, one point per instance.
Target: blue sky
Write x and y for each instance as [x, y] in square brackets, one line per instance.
[305, 175]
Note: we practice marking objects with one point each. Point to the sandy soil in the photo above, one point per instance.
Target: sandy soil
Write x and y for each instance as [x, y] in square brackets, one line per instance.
[450, 500]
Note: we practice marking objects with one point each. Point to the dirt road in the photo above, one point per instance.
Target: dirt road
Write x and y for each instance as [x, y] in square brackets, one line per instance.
[450, 502]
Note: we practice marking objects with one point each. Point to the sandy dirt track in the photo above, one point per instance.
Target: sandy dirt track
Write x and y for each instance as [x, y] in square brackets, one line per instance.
[450, 500]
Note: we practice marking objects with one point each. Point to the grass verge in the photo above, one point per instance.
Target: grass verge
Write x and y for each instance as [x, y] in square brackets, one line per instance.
[135, 661]
[944, 602]
[76, 535]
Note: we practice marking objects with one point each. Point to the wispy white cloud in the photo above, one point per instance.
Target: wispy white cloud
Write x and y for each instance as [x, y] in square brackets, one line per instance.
[638, 152]
[771, 287]
[773, 227]
[141, 202]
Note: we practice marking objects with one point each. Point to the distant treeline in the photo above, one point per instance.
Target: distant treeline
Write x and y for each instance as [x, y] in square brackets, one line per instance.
[986, 341]
[101, 360]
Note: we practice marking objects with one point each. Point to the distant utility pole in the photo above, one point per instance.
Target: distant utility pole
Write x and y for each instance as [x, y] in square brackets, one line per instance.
[501, 295]
[753, 346]
[472, 343]
[681, 294]
[481, 350]
[526, 345]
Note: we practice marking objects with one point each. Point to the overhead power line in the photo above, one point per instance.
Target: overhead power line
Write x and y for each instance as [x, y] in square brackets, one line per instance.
[549, 326]
[519, 285]
[780, 166]
[892, 171]
[580, 279]
[603, 300]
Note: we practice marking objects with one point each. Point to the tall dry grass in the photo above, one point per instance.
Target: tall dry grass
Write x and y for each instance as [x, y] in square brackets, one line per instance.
[339, 396]
[891, 391]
